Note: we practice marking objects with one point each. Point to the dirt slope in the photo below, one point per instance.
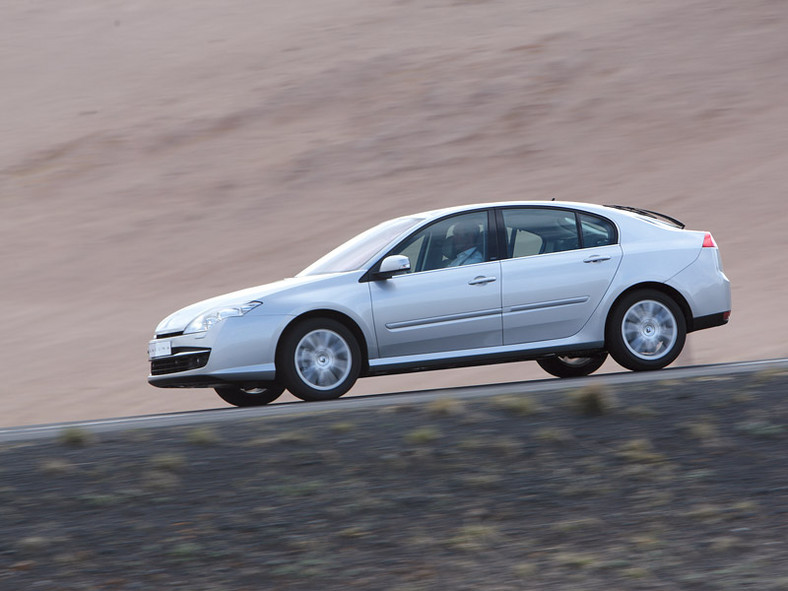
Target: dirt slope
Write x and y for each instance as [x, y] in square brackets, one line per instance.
[153, 156]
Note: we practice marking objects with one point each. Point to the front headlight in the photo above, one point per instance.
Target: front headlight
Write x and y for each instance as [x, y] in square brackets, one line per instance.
[207, 319]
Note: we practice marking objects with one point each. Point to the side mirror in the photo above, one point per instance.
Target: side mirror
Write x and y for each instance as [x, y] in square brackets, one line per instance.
[393, 265]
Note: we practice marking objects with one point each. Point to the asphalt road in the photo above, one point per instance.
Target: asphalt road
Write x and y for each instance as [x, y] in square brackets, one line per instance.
[34, 432]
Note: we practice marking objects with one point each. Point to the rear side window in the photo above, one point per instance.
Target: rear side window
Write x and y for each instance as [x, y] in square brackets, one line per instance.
[531, 231]
[596, 231]
[540, 230]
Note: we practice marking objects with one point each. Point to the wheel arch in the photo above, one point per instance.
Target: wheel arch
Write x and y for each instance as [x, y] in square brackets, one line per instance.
[344, 319]
[672, 293]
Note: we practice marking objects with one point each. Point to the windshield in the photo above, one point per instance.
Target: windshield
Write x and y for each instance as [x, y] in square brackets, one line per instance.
[355, 252]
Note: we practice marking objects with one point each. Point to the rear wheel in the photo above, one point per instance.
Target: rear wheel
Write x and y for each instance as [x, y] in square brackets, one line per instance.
[250, 396]
[320, 359]
[563, 366]
[646, 330]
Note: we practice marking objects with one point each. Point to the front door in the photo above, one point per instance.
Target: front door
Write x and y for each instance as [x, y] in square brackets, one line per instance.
[451, 298]
[434, 311]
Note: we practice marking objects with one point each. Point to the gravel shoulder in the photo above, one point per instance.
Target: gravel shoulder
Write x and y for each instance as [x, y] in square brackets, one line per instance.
[678, 485]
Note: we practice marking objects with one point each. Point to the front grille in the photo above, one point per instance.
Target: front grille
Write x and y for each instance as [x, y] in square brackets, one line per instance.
[179, 362]
[167, 335]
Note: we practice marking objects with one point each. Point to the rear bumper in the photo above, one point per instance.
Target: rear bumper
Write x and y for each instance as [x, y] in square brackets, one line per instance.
[709, 321]
[706, 289]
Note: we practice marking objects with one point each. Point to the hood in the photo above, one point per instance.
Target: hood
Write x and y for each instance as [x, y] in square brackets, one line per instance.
[178, 321]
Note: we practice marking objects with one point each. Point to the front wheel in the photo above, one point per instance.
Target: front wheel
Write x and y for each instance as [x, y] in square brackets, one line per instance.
[646, 330]
[319, 359]
[563, 366]
[250, 396]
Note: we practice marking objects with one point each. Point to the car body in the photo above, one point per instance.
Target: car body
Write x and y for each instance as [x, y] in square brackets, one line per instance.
[562, 283]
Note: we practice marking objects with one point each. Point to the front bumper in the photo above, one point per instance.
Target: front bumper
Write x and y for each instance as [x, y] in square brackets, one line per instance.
[239, 350]
[182, 359]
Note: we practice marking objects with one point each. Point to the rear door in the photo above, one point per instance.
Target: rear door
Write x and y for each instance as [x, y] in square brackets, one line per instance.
[560, 264]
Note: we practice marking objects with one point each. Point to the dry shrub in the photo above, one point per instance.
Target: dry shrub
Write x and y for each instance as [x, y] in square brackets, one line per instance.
[639, 451]
[422, 435]
[474, 538]
[203, 436]
[445, 407]
[517, 404]
[591, 400]
[75, 437]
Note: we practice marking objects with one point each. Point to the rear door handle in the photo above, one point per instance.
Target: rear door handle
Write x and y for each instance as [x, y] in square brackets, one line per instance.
[596, 258]
[481, 280]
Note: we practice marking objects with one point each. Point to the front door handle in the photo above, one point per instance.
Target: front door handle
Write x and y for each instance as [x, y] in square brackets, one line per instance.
[596, 258]
[481, 280]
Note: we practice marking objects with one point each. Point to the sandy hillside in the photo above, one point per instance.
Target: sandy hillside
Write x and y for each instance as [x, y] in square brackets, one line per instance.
[155, 155]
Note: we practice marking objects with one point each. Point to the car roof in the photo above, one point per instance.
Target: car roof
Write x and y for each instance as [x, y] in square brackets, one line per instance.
[592, 207]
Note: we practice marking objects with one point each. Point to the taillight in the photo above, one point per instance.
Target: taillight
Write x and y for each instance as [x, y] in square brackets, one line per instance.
[708, 241]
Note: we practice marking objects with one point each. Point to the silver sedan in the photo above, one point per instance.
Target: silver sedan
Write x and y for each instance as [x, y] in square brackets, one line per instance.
[561, 283]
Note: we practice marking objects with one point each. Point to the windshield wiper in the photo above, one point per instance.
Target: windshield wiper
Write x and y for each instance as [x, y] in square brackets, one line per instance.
[651, 214]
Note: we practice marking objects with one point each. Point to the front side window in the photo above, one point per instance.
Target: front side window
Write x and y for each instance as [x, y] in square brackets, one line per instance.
[452, 242]
[531, 231]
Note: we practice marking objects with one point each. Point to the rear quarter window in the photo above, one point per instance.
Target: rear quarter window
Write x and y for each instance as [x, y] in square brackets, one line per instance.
[597, 231]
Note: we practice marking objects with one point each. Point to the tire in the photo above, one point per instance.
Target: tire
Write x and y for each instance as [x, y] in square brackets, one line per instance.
[250, 396]
[563, 366]
[646, 330]
[319, 359]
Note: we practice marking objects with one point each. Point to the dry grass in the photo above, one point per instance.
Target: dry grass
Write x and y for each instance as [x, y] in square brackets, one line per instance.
[474, 538]
[646, 541]
[36, 544]
[573, 525]
[517, 404]
[160, 480]
[292, 437]
[766, 375]
[713, 513]
[636, 572]
[422, 435]
[641, 411]
[727, 544]
[170, 462]
[553, 435]
[591, 400]
[76, 437]
[577, 560]
[639, 451]
[342, 427]
[761, 428]
[203, 436]
[56, 466]
[445, 407]
[704, 431]
[482, 480]
[525, 570]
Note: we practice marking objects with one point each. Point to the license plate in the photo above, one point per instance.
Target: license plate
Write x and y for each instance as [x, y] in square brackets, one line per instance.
[159, 349]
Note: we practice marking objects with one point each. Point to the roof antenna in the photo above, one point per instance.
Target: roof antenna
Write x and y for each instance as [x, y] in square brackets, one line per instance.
[553, 199]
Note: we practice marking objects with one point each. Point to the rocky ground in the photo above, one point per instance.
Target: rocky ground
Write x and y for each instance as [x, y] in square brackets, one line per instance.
[681, 485]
